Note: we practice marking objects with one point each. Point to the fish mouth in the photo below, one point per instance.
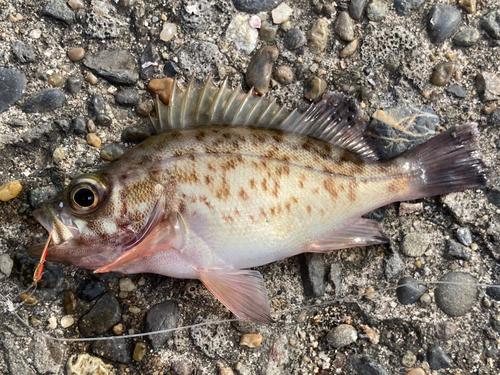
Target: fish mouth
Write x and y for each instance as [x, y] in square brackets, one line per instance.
[58, 223]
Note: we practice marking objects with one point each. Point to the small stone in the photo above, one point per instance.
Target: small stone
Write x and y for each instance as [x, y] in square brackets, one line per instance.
[112, 152]
[45, 101]
[91, 290]
[6, 263]
[415, 244]
[103, 120]
[28, 299]
[408, 359]
[445, 330]
[464, 236]
[491, 24]
[473, 246]
[91, 128]
[115, 65]
[466, 38]
[161, 87]
[12, 87]
[102, 317]
[76, 4]
[140, 350]
[349, 49]
[255, 22]
[76, 54]
[59, 10]
[255, 6]
[144, 109]
[470, 6]
[96, 105]
[126, 285]
[118, 329]
[168, 32]
[242, 34]
[371, 334]
[456, 250]
[489, 108]
[488, 86]
[252, 340]
[283, 74]
[267, 32]
[85, 364]
[314, 88]
[416, 371]
[356, 8]
[134, 135]
[425, 299]
[10, 190]
[149, 61]
[128, 97]
[281, 13]
[78, 125]
[456, 299]
[313, 271]
[294, 39]
[70, 301]
[23, 52]
[409, 291]
[93, 140]
[260, 68]
[67, 321]
[182, 367]
[318, 36]
[438, 358]
[394, 265]
[162, 316]
[56, 80]
[456, 90]
[342, 335]
[170, 69]
[442, 73]
[406, 7]
[58, 155]
[74, 84]
[444, 20]
[344, 27]
[376, 10]
[113, 350]
[91, 78]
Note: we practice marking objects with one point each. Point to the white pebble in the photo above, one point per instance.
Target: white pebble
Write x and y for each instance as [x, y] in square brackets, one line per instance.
[35, 33]
[67, 321]
[281, 13]
[6, 264]
[52, 322]
[168, 32]
[126, 285]
[242, 34]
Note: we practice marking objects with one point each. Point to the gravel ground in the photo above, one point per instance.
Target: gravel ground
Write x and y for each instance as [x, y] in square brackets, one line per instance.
[450, 331]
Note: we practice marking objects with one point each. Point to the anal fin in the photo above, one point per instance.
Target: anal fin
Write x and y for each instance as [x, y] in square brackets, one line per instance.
[241, 291]
[362, 232]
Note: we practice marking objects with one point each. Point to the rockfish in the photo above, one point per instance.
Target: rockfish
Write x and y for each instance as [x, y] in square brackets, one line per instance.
[232, 181]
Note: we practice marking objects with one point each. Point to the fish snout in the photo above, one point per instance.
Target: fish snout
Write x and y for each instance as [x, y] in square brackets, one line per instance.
[58, 222]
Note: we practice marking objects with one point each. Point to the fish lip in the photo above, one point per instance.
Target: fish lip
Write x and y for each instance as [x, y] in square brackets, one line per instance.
[58, 222]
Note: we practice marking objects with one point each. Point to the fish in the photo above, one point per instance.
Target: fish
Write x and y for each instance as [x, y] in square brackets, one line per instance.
[232, 181]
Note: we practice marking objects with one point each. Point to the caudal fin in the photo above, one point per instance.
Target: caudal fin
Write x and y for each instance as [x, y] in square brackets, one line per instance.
[449, 162]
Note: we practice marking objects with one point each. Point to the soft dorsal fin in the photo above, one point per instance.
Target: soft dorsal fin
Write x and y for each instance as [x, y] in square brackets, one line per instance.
[335, 119]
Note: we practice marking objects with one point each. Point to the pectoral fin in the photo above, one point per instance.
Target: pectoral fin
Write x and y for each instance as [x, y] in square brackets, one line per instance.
[362, 232]
[241, 291]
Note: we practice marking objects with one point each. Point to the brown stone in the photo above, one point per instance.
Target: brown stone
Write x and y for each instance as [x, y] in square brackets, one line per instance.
[76, 54]
[488, 86]
[283, 74]
[344, 27]
[56, 80]
[161, 87]
[314, 88]
[139, 351]
[489, 109]
[470, 6]
[10, 190]
[442, 73]
[93, 140]
[259, 69]
[349, 49]
[252, 340]
[144, 109]
[318, 36]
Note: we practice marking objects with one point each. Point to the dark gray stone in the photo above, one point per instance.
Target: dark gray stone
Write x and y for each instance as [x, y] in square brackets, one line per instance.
[494, 292]
[267, 32]
[59, 10]
[12, 85]
[466, 38]
[394, 265]
[491, 24]
[438, 358]
[464, 236]
[494, 120]
[114, 65]
[445, 330]
[456, 299]
[112, 152]
[103, 120]
[313, 271]
[102, 317]
[255, 6]
[164, 315]
[23, 52]
[457, 91]
[419, 130]
[128, 97]
[336, 277]
[409, 291]
[38, 196]
[444, 20]
[366, 366]
[405, 7]
[79, 126]
[96, 105]
[45, 101]
[149, 55]
[134, 135]
[356, 8]
[114, 349]
[91, 290]
[74, 84]
[170, 69]
[455, 250]
[294, 38]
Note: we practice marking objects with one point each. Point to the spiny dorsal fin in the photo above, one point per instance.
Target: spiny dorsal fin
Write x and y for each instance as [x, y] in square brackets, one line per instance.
[335, 119]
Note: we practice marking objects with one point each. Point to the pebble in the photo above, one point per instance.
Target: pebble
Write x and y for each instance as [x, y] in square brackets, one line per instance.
[91, 290]
[56, 80]
[258, 74]
[22, 52]
[6, 263]
[409, 291]
[283, 74]
[76, 4]
[93, 140]
[140, 350]
[456, 90]
[76, 54]
[112, 152]
[456, 300]
[470, 6]
[115, 65]
[356, 8]
[489, 108]
[415, 244]
[126, 285]
[144, 109]
[161, 87]
[243, 35]
[445, 330]
[366, 366]
[491, 24]
[267, 32]
[103, 120]
[85, 364]
[442, 73]
[255, 6]
[318, 36]
[114, 350]
[342, 335]
[78, 125]
[376, 10]
[170, 69]
[488, 86]
[132, 134]
[28, 299]
[67, 321]
[408, 359]
[12, 87]
[349, 49]
[102, 317]
[281, 13]
[394, 266]
[438, 358]
[344, 27]
[493, 292]
[164, 315]
[118, 329]
[10, 190]
[314, 88]
[70, 301]
[426, 299]
[455, 250]
[58, 155]
[96, 105]
[252, 340]
[182, 367]
[444, 20]
[406, 7]
[74, 84]
[255, 22]
[294, 39]
[91, 78]
[416, 371]
[168, 31]
[313, 271]
[38, 196]
[45, 101]
[58, 9]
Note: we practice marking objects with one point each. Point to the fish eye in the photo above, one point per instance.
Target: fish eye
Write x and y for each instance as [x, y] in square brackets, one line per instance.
[86, 192]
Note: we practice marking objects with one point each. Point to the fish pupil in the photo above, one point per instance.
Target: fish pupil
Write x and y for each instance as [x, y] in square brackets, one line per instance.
[84, 197]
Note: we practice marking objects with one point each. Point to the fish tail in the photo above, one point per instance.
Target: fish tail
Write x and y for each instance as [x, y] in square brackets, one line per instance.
[447, 163]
